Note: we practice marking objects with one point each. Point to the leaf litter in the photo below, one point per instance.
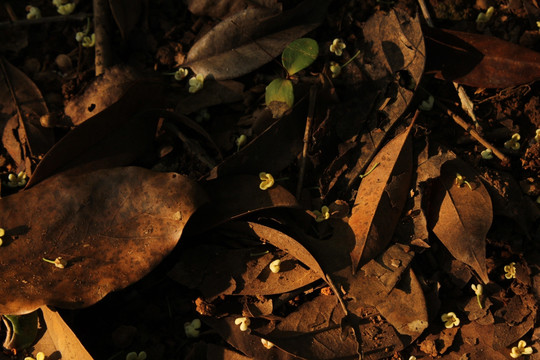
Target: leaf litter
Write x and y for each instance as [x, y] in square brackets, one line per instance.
[340, 270]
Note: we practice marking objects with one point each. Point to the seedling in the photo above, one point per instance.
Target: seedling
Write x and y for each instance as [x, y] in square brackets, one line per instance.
[241, 140]
[2, 233]
[450, 320]
[460, 181]
[58, 262]
[267, 180]
[370, 171]
[192, 328]
[298, 55]
[335, 68]
[181, 74]
[134, 356]
[337, 47]
[537, 136]
[521, 349]
[196, 83]
[485, 17]
[243, 322]
[39, 356]
[513, 143]
[89, 41]
[487, 154]
[510, 271]
[65, 9]
[478, 290]
[18, 180]
[322, 215]
[33, 12]
[427, 104]
[275, 266]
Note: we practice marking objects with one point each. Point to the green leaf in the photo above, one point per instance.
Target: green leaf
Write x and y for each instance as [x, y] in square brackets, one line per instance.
[21, 330]
[279, 96]
[299, 54]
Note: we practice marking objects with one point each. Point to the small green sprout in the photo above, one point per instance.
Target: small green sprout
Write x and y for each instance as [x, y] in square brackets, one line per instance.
[89, 41]
[485, 17]
[275, 266]
[322, 215]
[487, 154]
[134, 356]
[513, 143]
[267, 180]
[192, 329]
[450, 320]
[267, 344]
[241, 140]
[2, 233]
[39, 356]
[33, 12]
[196, 83]
[298, 55]
[537, 136]
[66, 9]
[478, 290]
[521, 349]
[181, 74]
[460, 181]
[243, 322]
[370, 171]
[337, 47]
[510, 271]
[427, 104]
[18, 180]
[335, 68]
[58, 262]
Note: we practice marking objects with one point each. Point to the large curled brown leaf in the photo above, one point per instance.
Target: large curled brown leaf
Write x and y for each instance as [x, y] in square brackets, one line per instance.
[461, 217]
[252, 38]
[380, 199]
[479, 60]
[112, 226]
[21, 106]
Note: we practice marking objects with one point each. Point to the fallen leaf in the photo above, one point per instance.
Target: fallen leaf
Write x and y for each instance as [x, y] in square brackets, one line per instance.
[380, 199]
[393, 58]
[479, 60]
[461, 217]
[22, 105]
[114, 137]
[251, 38]
[59, 339]
[216, 93]
[21, 330]
[111, 226]
[222, 8]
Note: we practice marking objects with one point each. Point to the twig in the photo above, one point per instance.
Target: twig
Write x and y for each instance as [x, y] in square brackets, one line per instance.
[309, 121]
[103, 57]
[43, 20]
[425, 12]
[470, 129]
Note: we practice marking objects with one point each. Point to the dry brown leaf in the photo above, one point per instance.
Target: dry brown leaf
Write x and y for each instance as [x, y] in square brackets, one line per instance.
[59, 339]
[114, 137]
[22, 106]
[461, 217]
[380, 199]
[216, 92]
[111, 226]
[222, 8]
[252, 38]
[479, 60]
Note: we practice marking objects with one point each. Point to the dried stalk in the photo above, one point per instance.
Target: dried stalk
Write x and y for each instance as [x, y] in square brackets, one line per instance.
[307, 132]
[103, 57]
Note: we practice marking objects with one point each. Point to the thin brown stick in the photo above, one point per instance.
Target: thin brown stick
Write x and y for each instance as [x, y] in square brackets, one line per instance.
[425, 12]
[43, 20]
[103, 57]
[472, 131]
[307, 132]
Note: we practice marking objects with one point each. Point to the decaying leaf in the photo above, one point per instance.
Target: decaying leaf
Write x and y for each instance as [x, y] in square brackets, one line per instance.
[252, 38]
[461, 216]
[380, 199]
[222, 8]
[114, 137]
[22, 106]
[479, 60]
[217, 92]
[58, 338]
[111, 226]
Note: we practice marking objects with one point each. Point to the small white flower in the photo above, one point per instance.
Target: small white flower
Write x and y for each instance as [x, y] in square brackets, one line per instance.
[521, 349]
[450, 320]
